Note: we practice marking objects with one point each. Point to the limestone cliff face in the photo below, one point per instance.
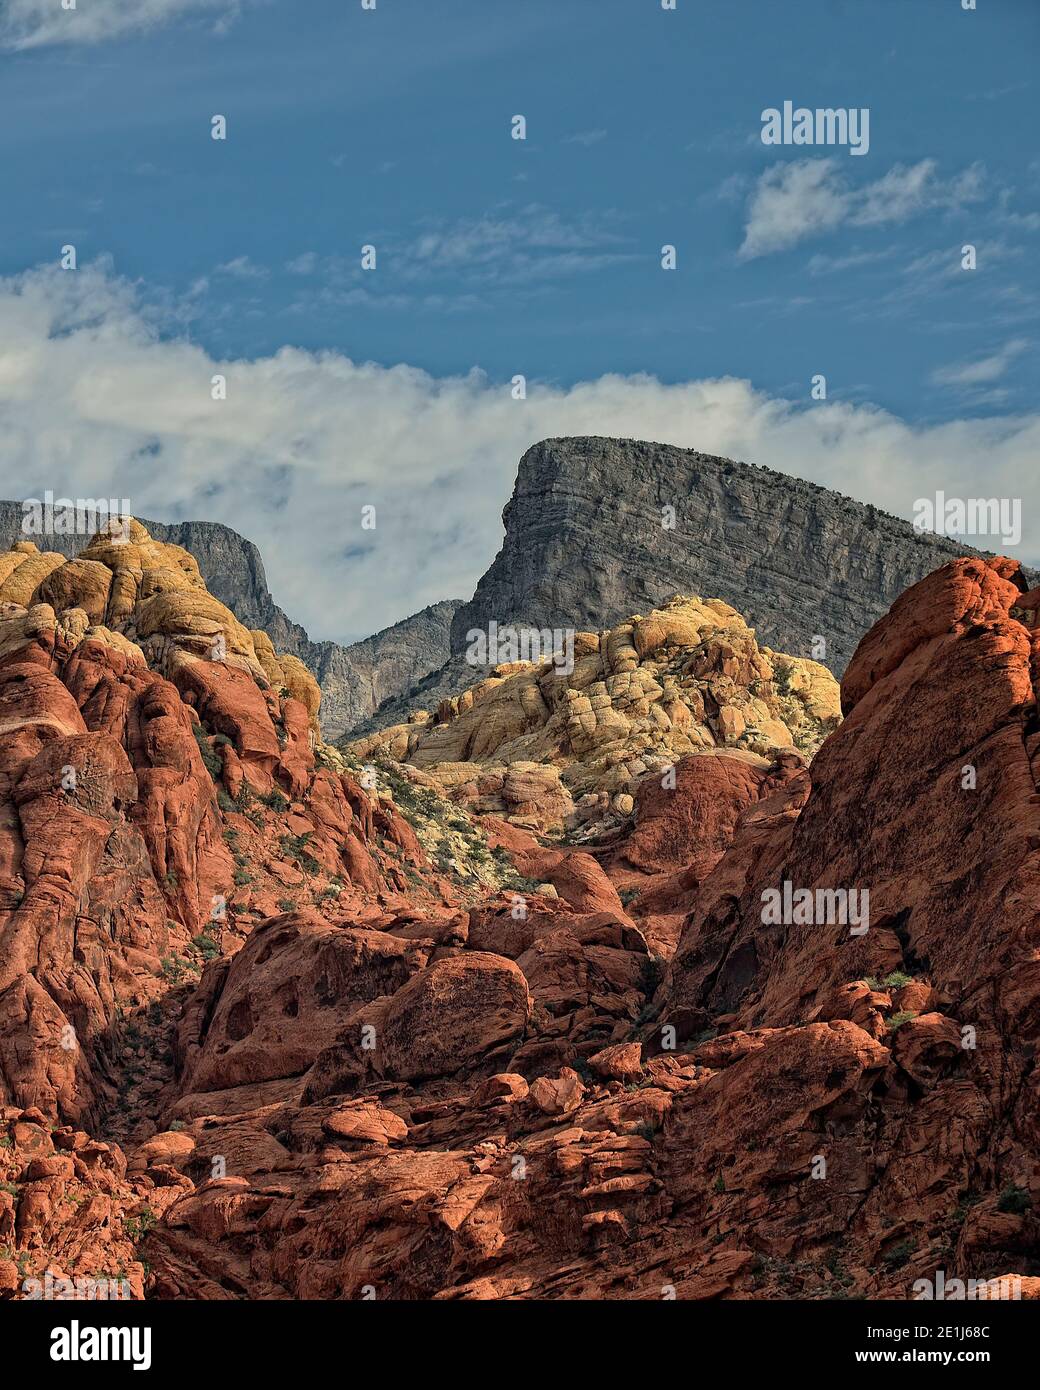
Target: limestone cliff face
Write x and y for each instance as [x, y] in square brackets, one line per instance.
[356, 680]
[585, 546]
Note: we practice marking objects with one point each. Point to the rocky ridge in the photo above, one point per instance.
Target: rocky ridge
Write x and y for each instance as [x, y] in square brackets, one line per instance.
[355, 679]
[588, 539]
[598, 528]
[607, 1078]
[559, 750]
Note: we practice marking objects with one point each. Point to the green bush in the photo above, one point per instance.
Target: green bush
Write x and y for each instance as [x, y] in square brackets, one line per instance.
[1014, 1199]
[205, 945]
[295, 847]
[173, 968]
[896, 980]
[782, 680]
[214, 765]
[899, 1254]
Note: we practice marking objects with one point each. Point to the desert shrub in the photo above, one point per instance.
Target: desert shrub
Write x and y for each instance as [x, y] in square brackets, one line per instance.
[1014, 1199]
[899, 1254]
[205, 945]
[214, 765]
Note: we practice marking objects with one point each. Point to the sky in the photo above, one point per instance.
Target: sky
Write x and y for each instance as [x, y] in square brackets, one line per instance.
[392, 127]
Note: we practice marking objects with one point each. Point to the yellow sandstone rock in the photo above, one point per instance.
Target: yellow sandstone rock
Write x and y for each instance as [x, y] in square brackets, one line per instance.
[546, 749]
[144, 598]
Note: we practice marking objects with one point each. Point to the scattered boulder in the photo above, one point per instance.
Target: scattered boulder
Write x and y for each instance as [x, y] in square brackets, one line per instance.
[455, 1012]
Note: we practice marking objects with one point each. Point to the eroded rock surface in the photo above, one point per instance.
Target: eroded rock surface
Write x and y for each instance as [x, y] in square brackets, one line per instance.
[547, 748]
[162, 786]
[614, 1076]
[777, 1110]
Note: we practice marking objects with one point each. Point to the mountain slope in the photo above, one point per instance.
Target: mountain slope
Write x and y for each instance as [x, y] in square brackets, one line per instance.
[356, 680]
[585, 546]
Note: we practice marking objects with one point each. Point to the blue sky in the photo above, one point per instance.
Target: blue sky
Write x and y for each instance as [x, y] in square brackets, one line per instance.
[542, 256]
[348, 126]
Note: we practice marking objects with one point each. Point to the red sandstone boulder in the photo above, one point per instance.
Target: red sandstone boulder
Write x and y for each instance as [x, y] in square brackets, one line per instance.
[284, 997]
[365, 1122]
[457, 1010]
[557, 1095]
[622, 1062]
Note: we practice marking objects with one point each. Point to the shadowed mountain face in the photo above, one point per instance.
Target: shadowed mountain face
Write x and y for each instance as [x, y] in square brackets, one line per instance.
[354, 679]
[586, 545]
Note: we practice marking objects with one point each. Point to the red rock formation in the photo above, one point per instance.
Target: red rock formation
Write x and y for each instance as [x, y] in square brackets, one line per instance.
[685, 822]
[118, 846]
[523, 1096]
[815, 1124]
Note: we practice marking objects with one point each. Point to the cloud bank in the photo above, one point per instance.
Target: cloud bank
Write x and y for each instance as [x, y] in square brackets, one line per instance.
[96, 401]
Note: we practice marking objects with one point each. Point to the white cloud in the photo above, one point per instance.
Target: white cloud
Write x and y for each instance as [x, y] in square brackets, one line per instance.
[242, 268]
[822, 264]
[510, 245]
[732, 189]
[35, 23]
[459, 266]
[586, 137]
[94, 402]
[984, 369]
[809, 197]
